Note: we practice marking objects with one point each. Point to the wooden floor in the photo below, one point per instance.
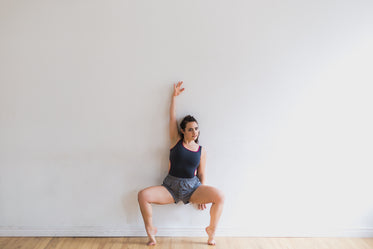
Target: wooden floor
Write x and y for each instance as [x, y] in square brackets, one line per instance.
[183, 242]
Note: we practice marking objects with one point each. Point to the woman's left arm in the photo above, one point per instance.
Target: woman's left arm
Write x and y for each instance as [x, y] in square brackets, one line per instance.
[202, 167]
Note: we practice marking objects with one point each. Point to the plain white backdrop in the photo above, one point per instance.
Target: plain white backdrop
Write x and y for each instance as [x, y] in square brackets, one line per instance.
[282, 91]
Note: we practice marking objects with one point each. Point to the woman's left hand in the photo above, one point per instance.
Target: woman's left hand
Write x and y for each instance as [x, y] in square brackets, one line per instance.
[201, 206]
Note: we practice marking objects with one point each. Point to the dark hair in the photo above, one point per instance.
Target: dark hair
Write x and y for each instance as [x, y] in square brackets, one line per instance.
[183, 124]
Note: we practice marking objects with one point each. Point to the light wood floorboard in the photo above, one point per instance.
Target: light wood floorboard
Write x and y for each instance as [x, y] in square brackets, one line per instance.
[183, 242]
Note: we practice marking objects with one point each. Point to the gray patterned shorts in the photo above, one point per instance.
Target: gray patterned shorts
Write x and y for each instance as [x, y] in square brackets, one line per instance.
[181, 189]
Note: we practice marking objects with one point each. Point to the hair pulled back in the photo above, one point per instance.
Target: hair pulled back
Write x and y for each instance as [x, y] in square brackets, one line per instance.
[183, 124]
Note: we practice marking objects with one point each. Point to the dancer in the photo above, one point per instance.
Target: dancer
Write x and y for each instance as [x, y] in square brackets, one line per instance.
[186, 179]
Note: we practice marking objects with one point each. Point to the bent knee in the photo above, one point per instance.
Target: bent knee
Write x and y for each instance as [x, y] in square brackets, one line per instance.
[220, 197]
[217, 196]
[141, 195]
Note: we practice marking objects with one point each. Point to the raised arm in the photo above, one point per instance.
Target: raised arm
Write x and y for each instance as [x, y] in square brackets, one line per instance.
[174, 134]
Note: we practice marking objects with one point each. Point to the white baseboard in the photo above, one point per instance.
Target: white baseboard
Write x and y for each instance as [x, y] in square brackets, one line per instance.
[139, 231]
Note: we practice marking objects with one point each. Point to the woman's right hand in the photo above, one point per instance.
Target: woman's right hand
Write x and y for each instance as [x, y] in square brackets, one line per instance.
[178, 89]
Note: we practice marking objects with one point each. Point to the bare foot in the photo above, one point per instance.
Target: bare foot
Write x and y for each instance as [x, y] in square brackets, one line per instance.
[151, 234]
[211, 233]
[151, 242]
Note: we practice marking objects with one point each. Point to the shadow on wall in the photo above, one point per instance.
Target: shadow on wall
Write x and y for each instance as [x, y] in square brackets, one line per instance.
[131, 207]
[153, 177]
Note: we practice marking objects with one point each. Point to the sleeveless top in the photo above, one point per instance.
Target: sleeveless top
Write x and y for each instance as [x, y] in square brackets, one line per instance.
[184, 162]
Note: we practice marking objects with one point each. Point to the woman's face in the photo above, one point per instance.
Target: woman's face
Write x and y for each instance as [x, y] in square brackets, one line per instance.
[191, 131]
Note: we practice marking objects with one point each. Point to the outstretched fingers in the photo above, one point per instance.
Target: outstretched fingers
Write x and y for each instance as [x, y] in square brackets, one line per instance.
[178, 89]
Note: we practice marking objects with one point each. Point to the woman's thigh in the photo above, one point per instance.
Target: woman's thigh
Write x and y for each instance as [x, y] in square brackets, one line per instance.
[206, 194]
[156, 195]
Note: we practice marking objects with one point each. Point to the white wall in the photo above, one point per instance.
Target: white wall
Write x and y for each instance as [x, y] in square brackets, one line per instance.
[282, 91]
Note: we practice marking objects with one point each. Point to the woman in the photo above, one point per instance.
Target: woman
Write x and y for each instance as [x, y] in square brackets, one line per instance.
[186, 179]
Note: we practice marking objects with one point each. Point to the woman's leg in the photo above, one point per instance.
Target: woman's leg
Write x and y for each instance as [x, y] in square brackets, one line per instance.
[207, 194]
[156, 195]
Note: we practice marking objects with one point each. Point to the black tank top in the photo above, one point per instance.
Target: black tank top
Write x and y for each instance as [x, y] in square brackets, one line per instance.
[184, 162]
